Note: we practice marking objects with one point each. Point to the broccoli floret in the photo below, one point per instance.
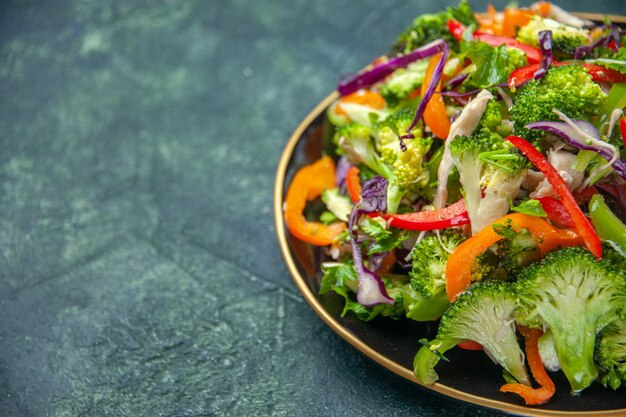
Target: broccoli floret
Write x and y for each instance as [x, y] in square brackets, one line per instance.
[483, 314]
[517, 249]
[574, 295]
[565, 39]
[567, 88]
[488, 165]
[611, 354]
[430, 27]
[409, 171]
[429, 260]
[615, 258]
[355, 142]
[404, 81]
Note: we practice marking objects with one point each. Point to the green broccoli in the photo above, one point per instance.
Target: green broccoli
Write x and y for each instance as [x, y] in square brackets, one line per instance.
[404, 81]
[488, 165]
[567, 88]
[565, 39]
[611, 354]
[429, 258]
[430, 27]
[408, 165]
[405, 170]
[355, 142]
[574, 295]
[483, 314]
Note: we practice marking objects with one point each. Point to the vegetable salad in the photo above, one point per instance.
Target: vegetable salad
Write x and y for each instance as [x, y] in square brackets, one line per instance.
[478, 179]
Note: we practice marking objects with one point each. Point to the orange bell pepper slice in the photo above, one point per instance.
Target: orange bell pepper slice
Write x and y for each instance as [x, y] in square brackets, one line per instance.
[547, 237]
[308, 183]
[435, 115]
[353, 184]
[363, 97]
[533, 396]
[513, 19]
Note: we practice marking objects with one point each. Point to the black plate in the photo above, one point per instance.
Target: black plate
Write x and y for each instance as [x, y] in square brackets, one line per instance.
[470, 376]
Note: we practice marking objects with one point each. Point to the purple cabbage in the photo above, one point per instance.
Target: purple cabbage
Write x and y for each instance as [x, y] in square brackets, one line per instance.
[587, 50]
[379, 72]
[430, 90]
[573, 138]
[371, 289]
[456, 81]
[457, 93]
[341, 172]
[545, 43]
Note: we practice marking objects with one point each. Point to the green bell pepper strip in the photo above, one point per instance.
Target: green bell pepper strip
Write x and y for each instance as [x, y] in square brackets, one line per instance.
[608, 226]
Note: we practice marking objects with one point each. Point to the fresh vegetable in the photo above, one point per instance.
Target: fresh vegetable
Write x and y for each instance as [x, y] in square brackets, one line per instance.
[459, 266]
[565, 38]
[308, 183]
[533, 396]
[556, 212]
[430, 27]
[611, 354]
[581, 224]
[490, 171]
[575, 295]
[429, 258]
[353, 184]
[483, 315]
[380, 71]
[453, 215]
[435, 116]
[569, 89]
[608, 226]
[582, 135]
[370, 290]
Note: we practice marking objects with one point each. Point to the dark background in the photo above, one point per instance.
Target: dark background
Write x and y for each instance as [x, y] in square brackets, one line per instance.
[139, 270]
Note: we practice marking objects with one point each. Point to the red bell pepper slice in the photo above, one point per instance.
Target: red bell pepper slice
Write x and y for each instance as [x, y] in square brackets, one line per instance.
[453, 215]
[598, 73]
[556, 212]
[456, 28]
[622, 128]
[470, 345]
[581, 223]
[533, 54]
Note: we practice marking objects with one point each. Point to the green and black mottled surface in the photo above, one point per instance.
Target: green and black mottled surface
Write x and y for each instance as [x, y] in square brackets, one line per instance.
[139, 272]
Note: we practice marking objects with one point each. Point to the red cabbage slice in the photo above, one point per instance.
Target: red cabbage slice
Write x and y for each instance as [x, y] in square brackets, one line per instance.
[340, 173]
[430, 90]
[545, 43]
[371, 289]
[587, 50]
[379, 72]
[575, 139]
[456, 81]
[458, 94]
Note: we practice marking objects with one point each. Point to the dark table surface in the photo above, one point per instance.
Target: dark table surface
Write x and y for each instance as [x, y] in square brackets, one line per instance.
[139, 270]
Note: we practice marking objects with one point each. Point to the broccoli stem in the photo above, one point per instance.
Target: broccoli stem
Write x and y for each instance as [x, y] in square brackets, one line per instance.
[575, 349]
[428, 357]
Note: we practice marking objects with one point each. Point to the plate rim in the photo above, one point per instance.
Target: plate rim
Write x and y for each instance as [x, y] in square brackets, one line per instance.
[347, 335]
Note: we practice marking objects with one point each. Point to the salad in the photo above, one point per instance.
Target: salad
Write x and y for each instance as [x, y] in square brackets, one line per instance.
[478, 179]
